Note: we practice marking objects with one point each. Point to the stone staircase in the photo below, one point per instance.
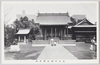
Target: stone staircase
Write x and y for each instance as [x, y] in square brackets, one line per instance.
[66, 41]
[40, 41]
[48, 41]
[55, 38]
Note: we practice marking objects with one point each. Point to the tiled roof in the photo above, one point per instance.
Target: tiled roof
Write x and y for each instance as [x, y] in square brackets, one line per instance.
[85, 26]
[79, 17]
[89, 24]
[53, 19]
[84, 21]
[23, 31]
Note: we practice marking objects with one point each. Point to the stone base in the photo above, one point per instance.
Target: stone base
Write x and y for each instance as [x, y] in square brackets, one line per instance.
[14, 48]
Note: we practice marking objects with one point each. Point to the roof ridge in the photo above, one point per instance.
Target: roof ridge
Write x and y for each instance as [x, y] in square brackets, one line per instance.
[81, 22]
[24, 29]
[53, 14]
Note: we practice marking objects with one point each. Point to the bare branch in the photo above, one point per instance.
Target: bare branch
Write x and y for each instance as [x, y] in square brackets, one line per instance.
[6, 18]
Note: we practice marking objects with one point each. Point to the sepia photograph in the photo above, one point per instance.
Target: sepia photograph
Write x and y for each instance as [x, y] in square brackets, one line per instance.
[50, 32]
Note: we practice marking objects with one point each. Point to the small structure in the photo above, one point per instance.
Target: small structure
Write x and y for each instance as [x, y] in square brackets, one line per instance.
[84, 31]
[53, 42]
[14, 48]
[93, 44]
[23, 35]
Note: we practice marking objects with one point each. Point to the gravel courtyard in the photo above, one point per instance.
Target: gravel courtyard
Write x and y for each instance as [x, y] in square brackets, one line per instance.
[82, 51]
[29, 52]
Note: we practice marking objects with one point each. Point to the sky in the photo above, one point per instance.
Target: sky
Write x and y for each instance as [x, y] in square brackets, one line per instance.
[11, 9]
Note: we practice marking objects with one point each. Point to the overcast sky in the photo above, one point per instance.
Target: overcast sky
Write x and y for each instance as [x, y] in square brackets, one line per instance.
[74, 8]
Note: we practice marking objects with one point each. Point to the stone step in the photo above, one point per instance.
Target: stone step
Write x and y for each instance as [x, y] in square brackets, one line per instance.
[40, 41]
[48, 41]
[67, 41]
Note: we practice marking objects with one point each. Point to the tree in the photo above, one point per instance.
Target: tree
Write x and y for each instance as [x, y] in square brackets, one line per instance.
[35, 31]
[17, 25]
[73, 20]
[25, 18]
[24, 23]
[7, 18]
[8, 28]
[8, 35]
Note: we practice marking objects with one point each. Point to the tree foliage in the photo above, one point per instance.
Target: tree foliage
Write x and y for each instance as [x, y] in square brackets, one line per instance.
[73, 20]
[25, 23]
[8, 35]
[22, 23]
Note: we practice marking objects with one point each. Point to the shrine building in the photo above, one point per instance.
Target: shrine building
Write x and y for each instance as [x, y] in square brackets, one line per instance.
[62, 27]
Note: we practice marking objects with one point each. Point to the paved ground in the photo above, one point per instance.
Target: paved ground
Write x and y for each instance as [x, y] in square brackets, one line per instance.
[26, 52]
[56, 52]
[81, 51]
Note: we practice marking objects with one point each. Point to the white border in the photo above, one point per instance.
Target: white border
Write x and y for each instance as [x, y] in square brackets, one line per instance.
[50, 61]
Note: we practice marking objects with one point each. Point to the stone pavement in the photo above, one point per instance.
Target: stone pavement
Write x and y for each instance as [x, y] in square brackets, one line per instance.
[56, 52]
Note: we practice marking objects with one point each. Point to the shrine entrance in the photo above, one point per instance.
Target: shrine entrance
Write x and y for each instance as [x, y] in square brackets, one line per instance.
[56, 32]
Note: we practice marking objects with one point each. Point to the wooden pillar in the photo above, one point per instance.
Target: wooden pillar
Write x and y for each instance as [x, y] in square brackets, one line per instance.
[64, 32]
[24, 39]
[45, 34]
[55, 32]
[19, 38]
[51, 32]
[67, 32]
[41, 33]
[61, 34]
